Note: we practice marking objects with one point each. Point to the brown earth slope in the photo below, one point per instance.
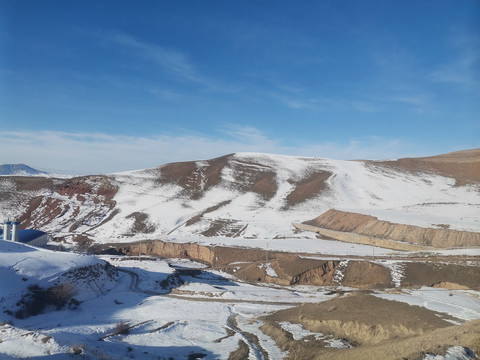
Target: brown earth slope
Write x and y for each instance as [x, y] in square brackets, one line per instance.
[463, 166]
[348, 222]
[376, 328]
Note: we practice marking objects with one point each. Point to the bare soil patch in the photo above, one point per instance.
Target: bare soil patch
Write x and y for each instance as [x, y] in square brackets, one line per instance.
[363, 274]
[32, 183]
[434, 273]
[309, 187]
[463, 166]
[141, 223]
[224, 227]
[377, 329]
[194, 179]
[257, 178]
[197, 218]
[241, 352]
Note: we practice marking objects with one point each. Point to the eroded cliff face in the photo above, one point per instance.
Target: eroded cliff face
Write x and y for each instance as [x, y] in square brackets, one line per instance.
[291, 269]
[370, 226]
[170, 250]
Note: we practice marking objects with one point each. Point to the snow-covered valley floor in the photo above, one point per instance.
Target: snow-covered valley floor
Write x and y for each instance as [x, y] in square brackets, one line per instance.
[200, 313]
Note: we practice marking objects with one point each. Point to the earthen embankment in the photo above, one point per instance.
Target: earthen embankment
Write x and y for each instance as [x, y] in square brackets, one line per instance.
[366, 229]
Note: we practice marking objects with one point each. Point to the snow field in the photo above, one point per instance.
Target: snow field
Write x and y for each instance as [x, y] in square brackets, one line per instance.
[299, 333]
[404, 198]
[461, 304]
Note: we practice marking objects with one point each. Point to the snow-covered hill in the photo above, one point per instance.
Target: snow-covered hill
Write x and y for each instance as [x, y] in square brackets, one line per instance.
[20, 170]
[23, 266]
[247, 195]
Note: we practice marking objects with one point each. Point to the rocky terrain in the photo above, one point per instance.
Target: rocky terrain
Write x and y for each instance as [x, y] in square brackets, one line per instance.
[257, 196]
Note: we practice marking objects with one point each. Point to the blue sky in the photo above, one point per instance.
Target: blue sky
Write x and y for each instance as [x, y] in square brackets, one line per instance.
[103, 86]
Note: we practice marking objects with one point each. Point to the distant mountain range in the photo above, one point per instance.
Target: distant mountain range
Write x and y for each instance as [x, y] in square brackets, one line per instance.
[20, 170]
[246, 196]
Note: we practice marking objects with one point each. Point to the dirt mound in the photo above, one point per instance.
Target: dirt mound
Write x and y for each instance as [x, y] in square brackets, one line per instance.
[359, 319]
[463, 166]
[293, 265]
[418, 274]
[370, 226]
[376, 328]
[357, 273]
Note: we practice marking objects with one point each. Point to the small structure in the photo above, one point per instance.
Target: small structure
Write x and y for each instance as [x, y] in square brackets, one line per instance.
[6, 230]
[33, 237]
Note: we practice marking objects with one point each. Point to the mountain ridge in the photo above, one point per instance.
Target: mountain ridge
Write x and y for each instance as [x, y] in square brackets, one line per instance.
[20, 170]
[244, 195]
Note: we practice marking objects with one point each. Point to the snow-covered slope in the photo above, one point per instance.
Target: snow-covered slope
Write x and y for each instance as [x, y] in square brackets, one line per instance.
[20, 170]
[412, 198]
[22, 266]
[245, 195]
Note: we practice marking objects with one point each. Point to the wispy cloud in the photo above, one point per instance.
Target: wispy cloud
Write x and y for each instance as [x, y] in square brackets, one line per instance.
[461, 72]
[175, 62]
[319, 103]
[90, 153]
[464, 69]
[421, 103]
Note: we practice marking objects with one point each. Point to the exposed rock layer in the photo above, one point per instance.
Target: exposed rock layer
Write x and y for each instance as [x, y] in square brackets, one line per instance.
[292, 269]
[347, 222]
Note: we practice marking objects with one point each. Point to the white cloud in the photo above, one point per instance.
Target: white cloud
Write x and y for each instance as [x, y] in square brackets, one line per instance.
[94, 153]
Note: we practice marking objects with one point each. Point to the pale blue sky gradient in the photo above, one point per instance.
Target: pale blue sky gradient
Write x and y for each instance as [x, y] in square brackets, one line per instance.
[163, 81]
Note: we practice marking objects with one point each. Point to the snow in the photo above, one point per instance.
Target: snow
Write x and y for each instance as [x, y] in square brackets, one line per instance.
[268, 269]
[397, 270]
[195, 318]
[426, 200]
[300, 333]
[454, 353]
[192, 319]
[297, 331]
[21, 343]
[22, 265]
[406, 198]
[461, 304]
